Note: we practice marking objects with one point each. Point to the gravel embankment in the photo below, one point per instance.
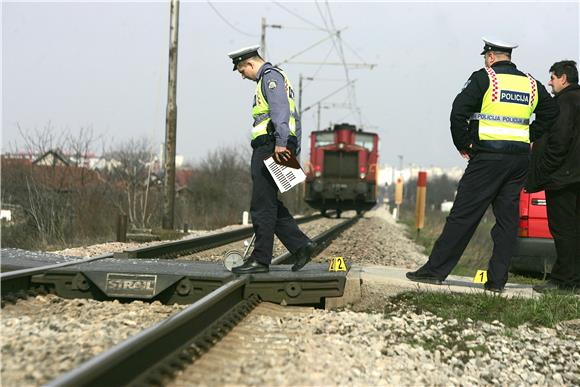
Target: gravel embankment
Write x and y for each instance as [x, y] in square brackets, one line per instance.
[375, 239]
[371, 349]
[45, 336]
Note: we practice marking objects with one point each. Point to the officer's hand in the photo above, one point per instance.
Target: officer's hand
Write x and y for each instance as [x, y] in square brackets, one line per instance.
[281, 153]
[465, 153]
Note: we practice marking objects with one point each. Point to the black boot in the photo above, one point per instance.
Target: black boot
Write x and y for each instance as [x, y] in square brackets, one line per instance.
[423, 275]
[251, 266]
[490, 287]
[304, 255]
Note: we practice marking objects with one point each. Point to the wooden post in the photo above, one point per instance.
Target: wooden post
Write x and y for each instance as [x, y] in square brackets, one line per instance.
[398, 196]
[421, 200]
[122, 228]
[171, 121]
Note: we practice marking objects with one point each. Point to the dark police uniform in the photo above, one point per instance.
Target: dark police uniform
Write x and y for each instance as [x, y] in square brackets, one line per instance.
[490, 123]
[281, 128]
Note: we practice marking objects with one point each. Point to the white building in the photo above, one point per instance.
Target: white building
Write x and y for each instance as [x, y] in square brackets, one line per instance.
[389, 173]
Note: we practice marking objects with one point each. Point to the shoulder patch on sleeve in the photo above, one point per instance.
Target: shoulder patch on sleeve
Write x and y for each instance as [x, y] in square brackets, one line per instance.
[272, 84]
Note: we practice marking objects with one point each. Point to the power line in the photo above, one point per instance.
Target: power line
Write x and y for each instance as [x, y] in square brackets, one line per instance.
[322, 64]
[330, 36]
[353, 51]
[330, 27]
[227, 22]
[322, 16]
[298, 16]
[340, 51]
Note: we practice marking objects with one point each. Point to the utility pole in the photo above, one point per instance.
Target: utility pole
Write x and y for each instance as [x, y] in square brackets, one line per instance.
[171, 120]
[301, 79]
[318, 120]
[263, 39]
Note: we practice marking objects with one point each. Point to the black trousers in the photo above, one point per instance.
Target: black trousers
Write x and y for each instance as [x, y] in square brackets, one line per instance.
[495, 179]
[563, 207]
[269, 215]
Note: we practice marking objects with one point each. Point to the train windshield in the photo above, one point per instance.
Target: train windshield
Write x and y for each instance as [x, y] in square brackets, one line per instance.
[323, 139]
[365, 140]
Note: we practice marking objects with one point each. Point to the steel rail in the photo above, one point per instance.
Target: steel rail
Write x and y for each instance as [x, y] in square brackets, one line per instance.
[185, 334]
[19, 280]
[321, 240]
[198, 244]
[129, 361]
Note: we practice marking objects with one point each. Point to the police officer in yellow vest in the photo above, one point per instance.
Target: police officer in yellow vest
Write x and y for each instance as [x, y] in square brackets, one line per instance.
[275, 130]
[490, 126]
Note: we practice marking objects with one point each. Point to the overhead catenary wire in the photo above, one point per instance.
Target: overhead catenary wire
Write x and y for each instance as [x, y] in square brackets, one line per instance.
[330, 36]
[338, 44]
[227, 22]
[298, 16]
[340, 51]
[329, 95]
[318, 69]
[298, 28]
[330, 27]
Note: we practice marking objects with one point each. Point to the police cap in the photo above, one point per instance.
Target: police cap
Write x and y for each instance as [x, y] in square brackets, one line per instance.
[243, 54]
[497, 45]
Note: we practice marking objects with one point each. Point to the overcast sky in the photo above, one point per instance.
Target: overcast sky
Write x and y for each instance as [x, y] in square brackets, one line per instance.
[104, 65]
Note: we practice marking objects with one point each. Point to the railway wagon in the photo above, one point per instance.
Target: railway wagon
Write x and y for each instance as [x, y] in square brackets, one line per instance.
[342, 172]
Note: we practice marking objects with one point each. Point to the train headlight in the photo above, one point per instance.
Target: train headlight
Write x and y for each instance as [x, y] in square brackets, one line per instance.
[363, 171]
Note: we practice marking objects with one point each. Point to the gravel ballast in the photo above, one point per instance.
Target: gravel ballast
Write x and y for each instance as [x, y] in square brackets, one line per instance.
[45, 336]
[371, 349]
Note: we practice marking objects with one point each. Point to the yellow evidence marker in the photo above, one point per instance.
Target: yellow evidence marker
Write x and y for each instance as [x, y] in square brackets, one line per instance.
[337, 264]
[480, 277]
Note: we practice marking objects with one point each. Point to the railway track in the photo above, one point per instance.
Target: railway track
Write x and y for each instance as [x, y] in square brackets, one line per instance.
[155, 354]
[15, 284]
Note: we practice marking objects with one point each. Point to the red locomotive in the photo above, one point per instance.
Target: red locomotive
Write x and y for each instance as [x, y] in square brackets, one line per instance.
[342, 174]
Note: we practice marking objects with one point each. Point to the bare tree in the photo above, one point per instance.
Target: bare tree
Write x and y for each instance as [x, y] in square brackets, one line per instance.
[130, 168]
[39, 141]
[62, 203]
[221, 188]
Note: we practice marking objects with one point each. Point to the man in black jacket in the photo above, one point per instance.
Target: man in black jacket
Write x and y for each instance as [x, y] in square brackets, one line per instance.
[490, 126]
[556, 169]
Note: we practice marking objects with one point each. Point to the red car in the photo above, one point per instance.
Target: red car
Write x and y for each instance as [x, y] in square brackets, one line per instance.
[535, 250]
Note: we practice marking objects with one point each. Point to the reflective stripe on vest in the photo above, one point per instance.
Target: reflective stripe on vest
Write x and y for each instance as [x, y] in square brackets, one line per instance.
[507, 106]
[489, 117]
[261, 109]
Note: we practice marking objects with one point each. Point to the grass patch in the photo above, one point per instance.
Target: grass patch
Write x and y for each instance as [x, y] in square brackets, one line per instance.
[478, 251]
[545, 311]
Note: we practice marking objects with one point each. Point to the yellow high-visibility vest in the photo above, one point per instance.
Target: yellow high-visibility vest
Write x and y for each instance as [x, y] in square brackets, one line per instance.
[507, 107]
[261, 109]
